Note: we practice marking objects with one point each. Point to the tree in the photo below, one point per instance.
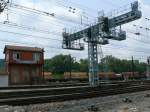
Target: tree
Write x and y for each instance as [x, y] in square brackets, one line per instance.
[58, 64]
[47, 64]
[65, 63]
[84, 65]
[118, 66]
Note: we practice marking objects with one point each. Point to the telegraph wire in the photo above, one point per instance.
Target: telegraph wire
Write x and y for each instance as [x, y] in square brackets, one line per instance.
[29, 35]
[51, 47]
[47, 14]
[64, 49]
[48, 47]
[28, 28]
[79, 6]
[24, 14]
[58, 39]
[76, 8]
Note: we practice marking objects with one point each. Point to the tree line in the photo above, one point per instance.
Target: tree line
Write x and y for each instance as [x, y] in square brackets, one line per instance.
[66, 63]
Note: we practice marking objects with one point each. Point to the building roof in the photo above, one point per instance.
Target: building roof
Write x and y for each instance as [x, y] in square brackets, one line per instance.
[23, 48]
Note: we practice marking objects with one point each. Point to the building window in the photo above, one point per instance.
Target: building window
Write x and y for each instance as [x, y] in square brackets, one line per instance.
[16, 55]
[36, 56]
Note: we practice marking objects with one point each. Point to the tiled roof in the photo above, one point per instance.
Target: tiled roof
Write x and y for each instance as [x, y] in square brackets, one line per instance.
[23, 48]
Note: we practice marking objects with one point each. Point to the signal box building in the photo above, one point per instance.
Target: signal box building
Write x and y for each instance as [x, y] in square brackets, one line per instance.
[24, 64]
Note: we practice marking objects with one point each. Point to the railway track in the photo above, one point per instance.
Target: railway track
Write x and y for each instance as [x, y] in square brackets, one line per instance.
[45, 95]
[44, 86]
[52, 85]
[61, 90]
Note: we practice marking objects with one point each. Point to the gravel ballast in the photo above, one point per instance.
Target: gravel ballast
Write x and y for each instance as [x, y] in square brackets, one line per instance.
[133, 102]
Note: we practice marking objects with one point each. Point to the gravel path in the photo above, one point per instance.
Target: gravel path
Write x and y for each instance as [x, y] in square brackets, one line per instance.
[139, 103]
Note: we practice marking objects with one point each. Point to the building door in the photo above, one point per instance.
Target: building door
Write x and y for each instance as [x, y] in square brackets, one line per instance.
[26, 74]
[15, 77]
[35, 75]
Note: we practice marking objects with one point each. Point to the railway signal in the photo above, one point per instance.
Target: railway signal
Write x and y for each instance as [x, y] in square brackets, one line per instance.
[99, 34]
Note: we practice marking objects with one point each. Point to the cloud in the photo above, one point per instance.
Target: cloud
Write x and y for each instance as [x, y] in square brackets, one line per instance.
[57, 23]
[133, 43]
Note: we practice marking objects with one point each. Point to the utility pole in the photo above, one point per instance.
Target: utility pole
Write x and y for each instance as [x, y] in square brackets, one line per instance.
[132, 66]
[70, 65]
[148, 68]
[99, 34]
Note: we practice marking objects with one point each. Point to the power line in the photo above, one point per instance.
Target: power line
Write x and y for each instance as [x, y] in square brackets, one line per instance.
[24, 27]
[47, 14]
[41, 45]
[25, 15]
[81, 6]
[22, 13]
[29, 35]
[61, 48]
[56, 39]
[29, 28]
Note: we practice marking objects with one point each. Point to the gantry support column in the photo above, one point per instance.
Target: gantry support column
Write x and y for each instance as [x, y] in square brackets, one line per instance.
[93, 64]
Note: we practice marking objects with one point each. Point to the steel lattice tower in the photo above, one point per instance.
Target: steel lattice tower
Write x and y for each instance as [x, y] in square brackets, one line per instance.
[99, 34]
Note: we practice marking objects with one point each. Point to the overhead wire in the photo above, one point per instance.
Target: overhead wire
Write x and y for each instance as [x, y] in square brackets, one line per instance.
[44, 37]
[79, 5]
[47, 14]
[25, 15]
[46, 19]
[51, 47]
[32, 35]
[28, 28]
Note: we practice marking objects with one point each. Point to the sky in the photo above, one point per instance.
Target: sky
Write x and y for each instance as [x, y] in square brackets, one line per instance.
[24, 26]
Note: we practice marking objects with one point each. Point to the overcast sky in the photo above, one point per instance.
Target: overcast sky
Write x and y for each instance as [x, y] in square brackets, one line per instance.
[45, 31]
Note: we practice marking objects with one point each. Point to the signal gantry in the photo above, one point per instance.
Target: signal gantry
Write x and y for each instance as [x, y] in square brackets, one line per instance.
[99, 34]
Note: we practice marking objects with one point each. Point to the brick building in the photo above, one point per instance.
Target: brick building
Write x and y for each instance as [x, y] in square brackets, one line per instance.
[24, 64]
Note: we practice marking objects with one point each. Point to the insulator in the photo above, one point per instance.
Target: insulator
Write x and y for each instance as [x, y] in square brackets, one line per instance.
[137, 33]
[105, 41]
[122, 35]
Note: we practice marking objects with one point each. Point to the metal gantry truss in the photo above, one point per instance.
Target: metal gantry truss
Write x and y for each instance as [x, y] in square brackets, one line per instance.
[99, 34]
